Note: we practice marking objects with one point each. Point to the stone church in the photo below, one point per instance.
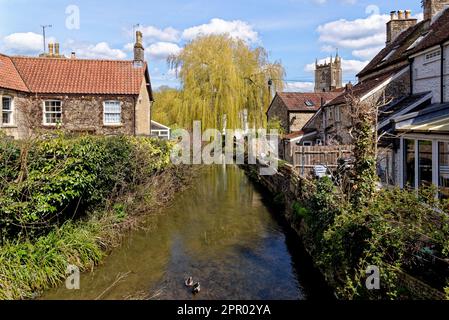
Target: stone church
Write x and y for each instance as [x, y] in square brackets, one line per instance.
[328, 76]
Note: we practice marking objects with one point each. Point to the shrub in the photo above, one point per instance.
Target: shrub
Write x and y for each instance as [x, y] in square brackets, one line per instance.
[64, 176]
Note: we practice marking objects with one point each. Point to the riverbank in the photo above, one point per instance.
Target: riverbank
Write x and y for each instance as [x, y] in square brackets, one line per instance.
[399, 232]
[70, 200]
[224, 232]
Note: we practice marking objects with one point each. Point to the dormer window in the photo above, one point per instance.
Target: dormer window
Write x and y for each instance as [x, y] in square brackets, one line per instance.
[7, 111]
[309, 103]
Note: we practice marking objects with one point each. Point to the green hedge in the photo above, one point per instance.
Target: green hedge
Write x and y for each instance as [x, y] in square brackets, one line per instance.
[48, 181]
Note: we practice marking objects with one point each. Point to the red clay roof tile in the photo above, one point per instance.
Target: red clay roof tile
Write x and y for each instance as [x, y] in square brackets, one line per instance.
[9, 76]
[79, 76]
[296, 101]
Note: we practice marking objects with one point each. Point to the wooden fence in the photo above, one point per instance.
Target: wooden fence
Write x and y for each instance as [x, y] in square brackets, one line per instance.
[305, 158]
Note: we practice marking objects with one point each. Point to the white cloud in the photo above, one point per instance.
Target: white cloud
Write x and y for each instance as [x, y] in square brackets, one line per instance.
[236, 29]
[299, 87]
[348, 66]
[161, 50]
[24, 43]
[358, 33]
[101, 50]
[152, 34]
[364, 36]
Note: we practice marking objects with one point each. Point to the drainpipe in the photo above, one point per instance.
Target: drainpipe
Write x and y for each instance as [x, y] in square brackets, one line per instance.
[411, 75]
[135, 122]
[442, 73]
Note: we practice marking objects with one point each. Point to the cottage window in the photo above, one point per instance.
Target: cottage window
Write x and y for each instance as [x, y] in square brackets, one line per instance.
[7, 111]
[52, 112]
[409, 168]
[425, 163]
[337, 114]
[112, 112]
[330, 114]
[443, 170]
[433, 56]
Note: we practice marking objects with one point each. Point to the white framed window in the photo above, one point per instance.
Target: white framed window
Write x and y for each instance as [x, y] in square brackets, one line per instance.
[7, 111]
[52, 112]
[432, 56]
[309, 103]
[337, 114]
[112, 113]
[330, 114]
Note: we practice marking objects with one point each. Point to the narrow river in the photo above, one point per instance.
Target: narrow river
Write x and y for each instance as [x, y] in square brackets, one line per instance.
[225, 233]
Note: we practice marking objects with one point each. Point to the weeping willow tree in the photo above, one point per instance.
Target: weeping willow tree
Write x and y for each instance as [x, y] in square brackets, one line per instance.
[221, 77]
[167, 106]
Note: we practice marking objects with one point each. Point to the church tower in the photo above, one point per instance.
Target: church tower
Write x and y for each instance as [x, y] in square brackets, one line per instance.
[328, 76]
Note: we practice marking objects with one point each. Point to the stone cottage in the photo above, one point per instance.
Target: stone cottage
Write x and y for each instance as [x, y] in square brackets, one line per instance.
[106, 97]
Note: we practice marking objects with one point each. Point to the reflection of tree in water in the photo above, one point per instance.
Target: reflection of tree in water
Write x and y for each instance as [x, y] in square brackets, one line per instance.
[222, 210]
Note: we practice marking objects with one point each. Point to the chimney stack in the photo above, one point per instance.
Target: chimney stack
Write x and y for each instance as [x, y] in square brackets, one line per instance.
[397, 25]
[139, 50]
[432, 7]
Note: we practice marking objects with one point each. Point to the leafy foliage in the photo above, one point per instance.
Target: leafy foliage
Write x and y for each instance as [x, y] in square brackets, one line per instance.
[275, 124]
[222, 76]
[66, 175]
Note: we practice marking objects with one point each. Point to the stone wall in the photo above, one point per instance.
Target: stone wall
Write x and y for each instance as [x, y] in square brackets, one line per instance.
[297, 120]
[279, 110]
[287, 185]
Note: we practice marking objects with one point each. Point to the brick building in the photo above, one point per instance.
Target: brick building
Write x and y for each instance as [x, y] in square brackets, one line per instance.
[105, 97]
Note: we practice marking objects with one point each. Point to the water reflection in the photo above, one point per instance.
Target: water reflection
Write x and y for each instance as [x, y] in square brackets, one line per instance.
[222, 233]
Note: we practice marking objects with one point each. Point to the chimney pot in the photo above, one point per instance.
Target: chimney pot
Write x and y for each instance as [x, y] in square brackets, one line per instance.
[408, 14]
[73, 55]
[349, 86]
[400, 14]
[393, 15]
[56, 49]
[50, 49]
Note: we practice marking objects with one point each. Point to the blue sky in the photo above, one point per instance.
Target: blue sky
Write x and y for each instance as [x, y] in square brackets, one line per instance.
[294, 32]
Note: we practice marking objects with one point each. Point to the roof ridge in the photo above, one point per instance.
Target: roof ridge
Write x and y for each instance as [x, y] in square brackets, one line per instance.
[69, 59]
